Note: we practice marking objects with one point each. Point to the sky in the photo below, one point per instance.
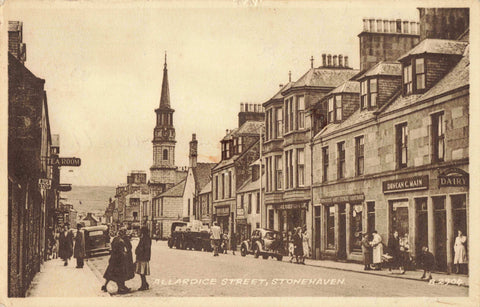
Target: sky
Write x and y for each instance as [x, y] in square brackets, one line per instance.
[103, 67]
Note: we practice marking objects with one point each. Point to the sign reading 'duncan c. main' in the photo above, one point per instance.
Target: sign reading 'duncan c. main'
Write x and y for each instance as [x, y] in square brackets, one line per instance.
[406, 184]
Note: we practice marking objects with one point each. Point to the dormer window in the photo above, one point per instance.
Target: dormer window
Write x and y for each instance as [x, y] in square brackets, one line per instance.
[420, 73]
[240, 145]
[368, 93]
[335, 109]
[414, 80]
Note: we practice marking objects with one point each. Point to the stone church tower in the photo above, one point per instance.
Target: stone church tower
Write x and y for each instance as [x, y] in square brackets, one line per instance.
[163, 173]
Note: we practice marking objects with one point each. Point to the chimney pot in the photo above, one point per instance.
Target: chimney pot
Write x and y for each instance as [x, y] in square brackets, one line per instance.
[324, 58]
[340, 60]
[335, 60]
[241, 107]
[365, 26]
[405, 27]
[386, 24]
[329, 60]
[372, 25]
[280, 85]
[346, 61]
[194, 136]
[379, 25]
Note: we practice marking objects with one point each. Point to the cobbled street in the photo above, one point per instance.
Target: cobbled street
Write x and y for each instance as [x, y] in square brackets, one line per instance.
[188, 273]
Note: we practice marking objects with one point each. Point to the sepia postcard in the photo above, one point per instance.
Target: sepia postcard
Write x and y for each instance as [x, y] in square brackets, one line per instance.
[239, 152]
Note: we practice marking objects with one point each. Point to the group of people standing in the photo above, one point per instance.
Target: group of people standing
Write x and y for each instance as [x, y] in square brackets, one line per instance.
[298, 245]
[71, 245]
[398, 256]
[121, 266]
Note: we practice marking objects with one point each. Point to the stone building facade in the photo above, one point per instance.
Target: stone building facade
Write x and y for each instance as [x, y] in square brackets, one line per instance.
[240, 148]
[292, 117]
[400, 161]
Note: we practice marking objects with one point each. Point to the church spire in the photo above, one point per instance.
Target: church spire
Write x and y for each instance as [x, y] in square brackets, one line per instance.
[165, 96]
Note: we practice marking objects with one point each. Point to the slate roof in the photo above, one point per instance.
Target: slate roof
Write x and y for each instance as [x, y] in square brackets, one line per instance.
[249, 127]
[357, 117]
[202, 174]
[207, 188]
[437, 46]
[456, 78]
[250, 185]
[175, 191]
[279, 95]
[384, 68]
[347, 87]
[325, 77]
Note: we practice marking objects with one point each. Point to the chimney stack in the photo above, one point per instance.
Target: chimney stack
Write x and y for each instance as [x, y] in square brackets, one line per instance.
[193, 151]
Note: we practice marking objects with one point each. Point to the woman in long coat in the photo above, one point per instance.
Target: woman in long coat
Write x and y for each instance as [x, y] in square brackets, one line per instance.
[394, 250]
[305, 244]
[460, 251]
[143, 253]
[367, 252]
[130, 266]
[65, 245]
[116, 269]
[298, 246]
[377, 250]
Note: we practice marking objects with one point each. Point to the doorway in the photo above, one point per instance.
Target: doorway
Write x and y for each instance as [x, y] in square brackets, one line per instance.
[342, 248]
[422, 224]
[440, 233]
[399, 217]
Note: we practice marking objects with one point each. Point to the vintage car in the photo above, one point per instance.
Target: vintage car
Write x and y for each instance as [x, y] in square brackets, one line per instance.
[189, 235]
[265, 243]
[97, 240]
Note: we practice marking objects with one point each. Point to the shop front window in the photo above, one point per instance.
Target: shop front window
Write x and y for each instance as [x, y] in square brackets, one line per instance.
[330, 227]
[356, 227]
[271, 218]
[399, 216]
[459, 206]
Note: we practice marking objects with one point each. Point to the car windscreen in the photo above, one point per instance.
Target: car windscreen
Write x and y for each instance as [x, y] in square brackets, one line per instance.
[272, 236]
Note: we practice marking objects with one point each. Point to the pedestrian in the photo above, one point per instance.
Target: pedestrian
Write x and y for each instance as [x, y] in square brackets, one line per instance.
[367, 252]
[129, 265]
[460, 258]
[394, 251]
[426, 261]
[225, 242]
[404, 253]
[143, 253]
[116, 269]
[65, 245]
[79, 249]
[377, 250]
[305, 243]
[298, 246]
[215, 236]
[291, 247]
[233, 242]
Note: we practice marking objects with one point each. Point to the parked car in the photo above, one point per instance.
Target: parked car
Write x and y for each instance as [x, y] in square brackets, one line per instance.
[265, 243]
[192, 235]
[97, 239]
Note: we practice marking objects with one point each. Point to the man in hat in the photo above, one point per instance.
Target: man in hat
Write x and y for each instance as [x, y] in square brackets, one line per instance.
[65, 244]
[79, 250]
[216, 233]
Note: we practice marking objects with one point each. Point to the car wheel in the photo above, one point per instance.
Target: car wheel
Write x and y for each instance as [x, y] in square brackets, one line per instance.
[279, 258]
[243, 250]
[265, 256]
[170, 243]
[256, 252]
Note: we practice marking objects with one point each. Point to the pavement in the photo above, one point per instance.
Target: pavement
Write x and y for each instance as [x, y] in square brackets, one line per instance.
[57, 280]
[177, 273]
[437, 277]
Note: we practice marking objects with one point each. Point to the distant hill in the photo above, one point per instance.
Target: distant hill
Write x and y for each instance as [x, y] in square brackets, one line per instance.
[92, 198]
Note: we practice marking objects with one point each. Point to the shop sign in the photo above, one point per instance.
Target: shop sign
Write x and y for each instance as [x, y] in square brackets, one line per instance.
[240, 211]
[223, 211]
[44, 183]
[292, 206]
[406, 184]
[453, 177]
[353, 198]
[65, 161]
[241, 221]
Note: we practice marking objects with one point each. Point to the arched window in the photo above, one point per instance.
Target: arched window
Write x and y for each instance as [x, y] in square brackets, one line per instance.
[165, 154]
